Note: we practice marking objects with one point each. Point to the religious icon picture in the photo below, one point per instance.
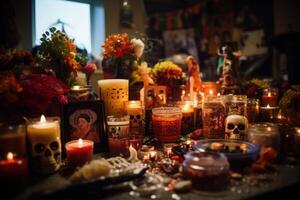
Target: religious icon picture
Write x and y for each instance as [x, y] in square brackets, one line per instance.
[85, 120]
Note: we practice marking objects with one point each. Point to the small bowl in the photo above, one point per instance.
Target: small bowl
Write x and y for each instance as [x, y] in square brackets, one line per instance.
[239, 153]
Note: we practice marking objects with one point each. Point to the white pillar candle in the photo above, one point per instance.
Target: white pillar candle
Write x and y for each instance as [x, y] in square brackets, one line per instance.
[114, 93]
[45, 145]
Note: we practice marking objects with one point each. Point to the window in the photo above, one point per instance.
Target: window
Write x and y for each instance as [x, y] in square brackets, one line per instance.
[82, 20]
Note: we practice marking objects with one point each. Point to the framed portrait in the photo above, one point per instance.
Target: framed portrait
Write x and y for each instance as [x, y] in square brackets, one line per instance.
[85, 120]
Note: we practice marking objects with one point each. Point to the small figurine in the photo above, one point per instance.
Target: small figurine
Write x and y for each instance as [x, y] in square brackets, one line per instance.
[229, 76]
[194, 72]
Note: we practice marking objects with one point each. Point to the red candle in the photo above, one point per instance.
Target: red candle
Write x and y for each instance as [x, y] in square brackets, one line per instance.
[13, 170]
[118, 146]
[79, 152]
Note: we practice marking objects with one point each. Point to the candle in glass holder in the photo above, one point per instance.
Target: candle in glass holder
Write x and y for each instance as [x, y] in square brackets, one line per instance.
[268, 113]
[114, 93]
[210, 88]
[136, 117]
[13, 139]
[265, 135]
[168, 148]
[166, 123]
[252, 110]
[118, 134]
[144, 151]
[297, 141]
[79, 152]
[153, 155]
[187, 117]
[270, 97]
[13, 169]
[213, 118]
[235, 104]
[45, 145]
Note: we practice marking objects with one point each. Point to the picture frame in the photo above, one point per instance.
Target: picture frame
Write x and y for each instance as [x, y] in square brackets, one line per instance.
[155, 96]
[85, 120]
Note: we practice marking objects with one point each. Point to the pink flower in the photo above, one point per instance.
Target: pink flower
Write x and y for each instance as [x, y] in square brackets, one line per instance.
[89, 68]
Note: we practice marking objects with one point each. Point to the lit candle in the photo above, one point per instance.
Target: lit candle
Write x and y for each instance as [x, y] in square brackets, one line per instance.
[297, 141]
[44, 142]
[168, 148]
[13, 139]
[187, 117]
[136, 116]
[12, 169]
[270, 96]
[210, 88]
[269, 113]
[211, 92]
[79, 152]
[114, 93]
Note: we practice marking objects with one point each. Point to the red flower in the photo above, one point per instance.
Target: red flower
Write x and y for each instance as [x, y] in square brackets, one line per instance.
[40, 91]
[89, 68]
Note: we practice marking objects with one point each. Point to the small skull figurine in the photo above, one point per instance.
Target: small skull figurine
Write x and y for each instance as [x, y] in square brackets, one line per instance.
[236, 127]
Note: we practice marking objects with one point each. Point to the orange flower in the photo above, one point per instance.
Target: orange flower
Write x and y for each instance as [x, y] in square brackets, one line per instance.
[117, 45]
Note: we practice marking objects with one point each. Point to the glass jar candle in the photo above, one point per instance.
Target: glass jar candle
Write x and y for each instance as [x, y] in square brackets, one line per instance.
[136, 118]
[210, 88]
[235, 104]
[207, 170]
[187, 121]
[268, 113]
[252, 110]
[118, 135]
[166, 123]
[270, 97]
[213, 117]
[265, 135]
[13, 139]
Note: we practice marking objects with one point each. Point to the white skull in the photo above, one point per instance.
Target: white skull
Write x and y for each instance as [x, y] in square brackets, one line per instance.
[236, 127]
[46, 154]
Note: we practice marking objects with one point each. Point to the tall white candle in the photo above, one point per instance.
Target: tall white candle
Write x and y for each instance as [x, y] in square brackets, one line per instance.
[114, 93]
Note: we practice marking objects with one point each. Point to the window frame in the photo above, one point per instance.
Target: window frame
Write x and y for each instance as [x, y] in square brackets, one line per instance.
[97, 25]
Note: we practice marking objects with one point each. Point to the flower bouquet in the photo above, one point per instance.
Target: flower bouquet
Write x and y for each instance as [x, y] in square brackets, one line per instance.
[171, 75]
[255, 87]
[122, 56]
[58, 55]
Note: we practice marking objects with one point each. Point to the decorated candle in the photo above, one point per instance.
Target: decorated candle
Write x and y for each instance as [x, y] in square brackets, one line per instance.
[79, 152]
[265, 135]
[187, 121]
[45, 145]
[13, 169]
[166, 123]
[252, 110]
[268, 113]
[210, 88]
[213, 118]
[235, 104]
[13, 139]
[114, 93]
[270, 97]
[118, 135]
[136, 117]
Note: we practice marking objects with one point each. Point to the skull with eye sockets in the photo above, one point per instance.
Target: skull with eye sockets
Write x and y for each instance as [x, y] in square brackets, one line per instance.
[136, 121]
[236, 127]
[46, 155]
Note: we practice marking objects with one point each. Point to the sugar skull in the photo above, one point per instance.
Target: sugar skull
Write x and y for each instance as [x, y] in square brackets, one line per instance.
[236, 127]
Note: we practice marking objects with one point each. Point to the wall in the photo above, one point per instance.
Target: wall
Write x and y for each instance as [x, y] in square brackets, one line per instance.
[112, 12]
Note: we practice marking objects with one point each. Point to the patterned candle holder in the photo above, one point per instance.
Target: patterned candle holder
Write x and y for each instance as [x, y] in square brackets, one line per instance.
[114, 93]
[166, 123]
[213, 117]
[235, 104]
[135, 110]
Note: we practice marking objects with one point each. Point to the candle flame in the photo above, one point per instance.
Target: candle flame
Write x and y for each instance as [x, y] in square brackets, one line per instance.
[298, 130]
[218, 94]
[211, 92]
[279, 116]
[269, 129]
[269, 94]
[80, 142]
[10, 156]
[188, 142]
[43, 119]
[268, 106]
[76, 87]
